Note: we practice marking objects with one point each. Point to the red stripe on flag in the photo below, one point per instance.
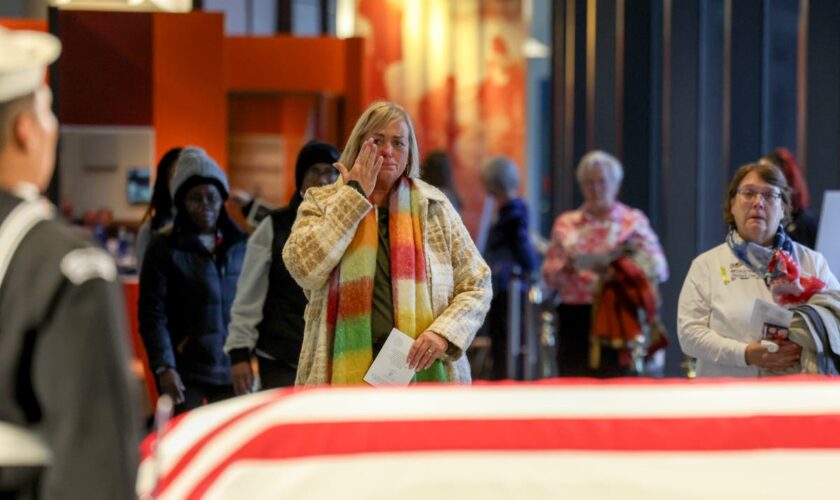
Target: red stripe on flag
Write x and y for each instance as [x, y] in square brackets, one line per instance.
[290, 441]
[167, 478]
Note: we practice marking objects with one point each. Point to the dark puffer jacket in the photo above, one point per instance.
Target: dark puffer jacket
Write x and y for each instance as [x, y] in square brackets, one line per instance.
[185, 298]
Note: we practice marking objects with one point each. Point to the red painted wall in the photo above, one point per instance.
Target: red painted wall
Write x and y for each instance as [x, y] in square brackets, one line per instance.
[105, 68]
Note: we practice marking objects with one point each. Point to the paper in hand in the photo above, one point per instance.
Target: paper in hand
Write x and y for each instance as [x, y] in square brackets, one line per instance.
[770, 321]
[593, 260]
[391, 365]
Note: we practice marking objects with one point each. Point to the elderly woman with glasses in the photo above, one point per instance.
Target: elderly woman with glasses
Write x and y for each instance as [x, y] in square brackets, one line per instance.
[381, 249]
[757, 261]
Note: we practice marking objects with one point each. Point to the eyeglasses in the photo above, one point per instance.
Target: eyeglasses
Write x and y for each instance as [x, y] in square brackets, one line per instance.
[750, 194]
[320, 170]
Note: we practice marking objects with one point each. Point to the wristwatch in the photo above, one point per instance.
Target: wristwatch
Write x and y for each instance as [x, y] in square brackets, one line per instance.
[358, 187]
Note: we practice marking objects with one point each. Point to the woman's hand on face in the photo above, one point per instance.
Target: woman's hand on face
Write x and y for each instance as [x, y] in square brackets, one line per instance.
[365, 170]
[427, 348]
[787, 355]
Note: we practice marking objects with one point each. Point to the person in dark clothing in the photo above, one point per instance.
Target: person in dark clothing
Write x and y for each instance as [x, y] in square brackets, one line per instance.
[159, 214]
[68, 420]
[437, 171]
[267, 315]
[187, 286]
[508, 248]
[803, 224]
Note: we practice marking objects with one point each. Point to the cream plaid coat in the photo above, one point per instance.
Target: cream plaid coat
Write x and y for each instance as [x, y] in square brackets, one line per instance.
[458, 277]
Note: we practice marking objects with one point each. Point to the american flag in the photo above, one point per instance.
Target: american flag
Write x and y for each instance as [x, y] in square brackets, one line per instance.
[573, 438]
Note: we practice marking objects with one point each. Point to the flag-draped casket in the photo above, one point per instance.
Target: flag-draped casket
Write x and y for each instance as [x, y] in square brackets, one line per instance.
[771, 438]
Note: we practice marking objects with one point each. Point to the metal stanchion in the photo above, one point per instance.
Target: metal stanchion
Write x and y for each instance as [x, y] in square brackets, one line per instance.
[639, 346]
[514, 323]
[531, 305]
[531, 331]
[542, 331]
[548, 343]
[531, 340]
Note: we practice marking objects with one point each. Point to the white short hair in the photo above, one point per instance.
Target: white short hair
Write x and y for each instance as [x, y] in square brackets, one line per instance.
[597, 158]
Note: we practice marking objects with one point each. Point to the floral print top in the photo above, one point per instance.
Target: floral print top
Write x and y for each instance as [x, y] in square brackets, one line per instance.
[577, 233]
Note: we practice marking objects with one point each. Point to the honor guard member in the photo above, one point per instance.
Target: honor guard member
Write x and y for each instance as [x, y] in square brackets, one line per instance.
[68, 428]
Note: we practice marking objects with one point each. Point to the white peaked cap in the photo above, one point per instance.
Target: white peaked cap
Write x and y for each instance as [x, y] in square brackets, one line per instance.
[24, 57]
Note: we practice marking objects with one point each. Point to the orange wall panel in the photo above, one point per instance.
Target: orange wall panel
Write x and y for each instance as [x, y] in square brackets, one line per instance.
[189, 102]
[357, 83]
[105, 68]
[297, 113]
[286, 116]
[23, 24]
[255, 113]
[285, 63]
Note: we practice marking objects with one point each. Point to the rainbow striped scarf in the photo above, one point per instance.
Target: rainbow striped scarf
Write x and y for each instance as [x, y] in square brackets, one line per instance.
[351, 289]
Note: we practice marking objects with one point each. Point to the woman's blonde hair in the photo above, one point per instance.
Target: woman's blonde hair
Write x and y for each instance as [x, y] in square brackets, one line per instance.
[376, 117]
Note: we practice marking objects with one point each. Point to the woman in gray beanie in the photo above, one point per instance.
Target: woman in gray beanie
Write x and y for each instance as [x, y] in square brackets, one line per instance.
[188, 283]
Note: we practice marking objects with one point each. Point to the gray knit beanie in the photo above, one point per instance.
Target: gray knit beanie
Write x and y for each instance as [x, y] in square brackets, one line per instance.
[194, 166]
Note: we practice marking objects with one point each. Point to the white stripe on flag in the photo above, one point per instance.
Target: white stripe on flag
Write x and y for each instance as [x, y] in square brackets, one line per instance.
[536, 475]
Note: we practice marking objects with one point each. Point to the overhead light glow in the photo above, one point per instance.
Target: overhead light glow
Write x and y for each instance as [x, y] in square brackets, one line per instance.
[345, 18]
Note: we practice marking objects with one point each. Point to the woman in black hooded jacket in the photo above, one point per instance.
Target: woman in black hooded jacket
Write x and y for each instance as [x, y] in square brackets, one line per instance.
[187, 286]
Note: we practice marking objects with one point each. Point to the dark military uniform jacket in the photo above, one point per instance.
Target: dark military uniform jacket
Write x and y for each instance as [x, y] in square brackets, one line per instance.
[63, 359]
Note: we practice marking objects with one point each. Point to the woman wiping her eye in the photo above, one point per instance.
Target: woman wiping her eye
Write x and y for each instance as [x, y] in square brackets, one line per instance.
[381, 249]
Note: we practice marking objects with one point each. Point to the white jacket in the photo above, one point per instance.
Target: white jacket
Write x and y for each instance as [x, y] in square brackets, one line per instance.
[716, 303]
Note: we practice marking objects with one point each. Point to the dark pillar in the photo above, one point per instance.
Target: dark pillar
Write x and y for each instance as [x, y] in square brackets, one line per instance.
[284, 16]
[823, 108]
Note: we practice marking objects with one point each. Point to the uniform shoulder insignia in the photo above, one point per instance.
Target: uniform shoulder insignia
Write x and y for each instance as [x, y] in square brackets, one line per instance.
[84, 264]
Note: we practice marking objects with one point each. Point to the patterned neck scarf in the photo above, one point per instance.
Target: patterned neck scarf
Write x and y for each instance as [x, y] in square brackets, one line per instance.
[777, 266]
[351, 289]
[758, 257]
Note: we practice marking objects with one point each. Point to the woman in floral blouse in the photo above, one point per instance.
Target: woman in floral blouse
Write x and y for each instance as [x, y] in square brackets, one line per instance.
[583, 243]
